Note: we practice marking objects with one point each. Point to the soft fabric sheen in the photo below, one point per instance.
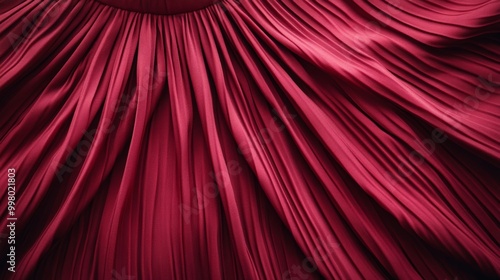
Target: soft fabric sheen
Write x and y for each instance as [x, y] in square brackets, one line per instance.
[162, 7]
[251, 139]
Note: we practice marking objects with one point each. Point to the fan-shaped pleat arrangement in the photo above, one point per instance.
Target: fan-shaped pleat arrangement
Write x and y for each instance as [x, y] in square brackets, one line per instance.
[252, 140]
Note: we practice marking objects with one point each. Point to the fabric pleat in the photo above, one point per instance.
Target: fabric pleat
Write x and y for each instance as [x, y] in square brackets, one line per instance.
[256, 139]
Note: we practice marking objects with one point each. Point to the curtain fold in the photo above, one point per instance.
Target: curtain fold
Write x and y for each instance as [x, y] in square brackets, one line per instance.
[252, 140]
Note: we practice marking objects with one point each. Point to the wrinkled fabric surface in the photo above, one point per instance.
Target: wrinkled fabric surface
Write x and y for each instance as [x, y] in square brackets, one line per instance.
[251, 139]
[160, 7]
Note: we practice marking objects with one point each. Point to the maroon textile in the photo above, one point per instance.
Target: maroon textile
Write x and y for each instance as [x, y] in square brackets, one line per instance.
[251, 139]
[162, 7]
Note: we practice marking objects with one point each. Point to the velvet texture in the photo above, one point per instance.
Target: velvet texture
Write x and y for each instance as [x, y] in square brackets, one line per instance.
[252, 139]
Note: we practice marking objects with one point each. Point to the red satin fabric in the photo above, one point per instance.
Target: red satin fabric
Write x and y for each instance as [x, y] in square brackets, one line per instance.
[252, 140]
[162, 7]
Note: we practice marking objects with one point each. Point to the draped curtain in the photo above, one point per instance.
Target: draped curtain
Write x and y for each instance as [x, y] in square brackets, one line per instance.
[251, 139]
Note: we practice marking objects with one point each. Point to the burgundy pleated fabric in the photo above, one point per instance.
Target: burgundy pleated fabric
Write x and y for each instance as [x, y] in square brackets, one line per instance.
[251, 139]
